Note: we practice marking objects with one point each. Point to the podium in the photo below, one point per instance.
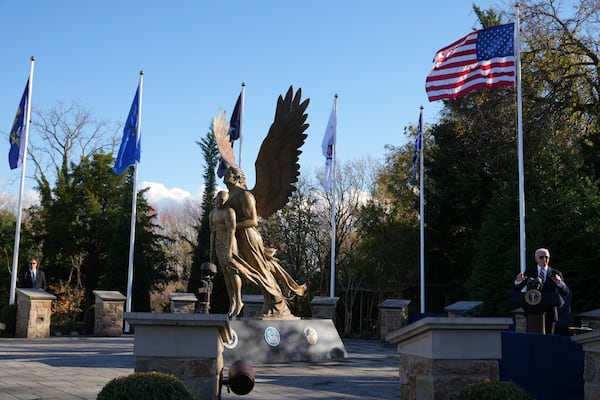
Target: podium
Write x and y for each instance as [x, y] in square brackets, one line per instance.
[536, 304]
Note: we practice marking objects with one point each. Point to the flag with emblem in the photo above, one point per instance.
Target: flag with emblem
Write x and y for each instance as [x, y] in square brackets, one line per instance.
[17, 137]
[130, 150]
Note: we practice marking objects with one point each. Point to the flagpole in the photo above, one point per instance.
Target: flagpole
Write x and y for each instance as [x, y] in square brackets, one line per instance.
[422, 213]
[520, 143]
[15, 264]
[241, 120]
[333, 151]
[133, 207]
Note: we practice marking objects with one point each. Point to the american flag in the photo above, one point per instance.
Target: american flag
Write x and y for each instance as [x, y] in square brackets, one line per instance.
[483, 58]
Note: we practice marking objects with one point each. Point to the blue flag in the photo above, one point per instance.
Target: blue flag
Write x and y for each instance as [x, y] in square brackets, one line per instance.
[418, 143]
[18, 134]
[130, 149]
[235, 121]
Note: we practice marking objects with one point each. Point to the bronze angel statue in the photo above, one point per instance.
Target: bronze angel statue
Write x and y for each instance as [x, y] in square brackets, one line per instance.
[277, 170]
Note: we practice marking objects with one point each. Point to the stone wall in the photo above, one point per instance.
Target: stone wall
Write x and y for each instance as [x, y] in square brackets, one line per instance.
[183, 303]
[253, 305]
[198, 374]
[591, 368]
[34, 310]
[393, 315]
[108, 319]
[324, 307]
[423, 378]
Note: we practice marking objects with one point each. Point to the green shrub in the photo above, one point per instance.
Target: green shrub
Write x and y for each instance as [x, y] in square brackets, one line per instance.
[494, 391]
[145, 385]
[8, 316]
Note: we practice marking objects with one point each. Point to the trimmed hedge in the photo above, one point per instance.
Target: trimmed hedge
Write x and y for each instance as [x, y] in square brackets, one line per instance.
[494, 391]
[145, 385]
[8, 316]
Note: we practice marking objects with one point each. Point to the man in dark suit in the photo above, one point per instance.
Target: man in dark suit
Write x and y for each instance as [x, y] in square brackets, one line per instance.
[33, 277]
[551, 282]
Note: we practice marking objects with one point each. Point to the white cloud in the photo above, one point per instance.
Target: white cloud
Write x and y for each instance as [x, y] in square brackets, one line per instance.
[159, 196]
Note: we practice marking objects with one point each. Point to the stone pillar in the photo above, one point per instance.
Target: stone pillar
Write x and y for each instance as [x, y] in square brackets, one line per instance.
[464, 309]
[590, 319]
[323, 307]
[520, 320]
[253, 305]
[591, 369]
[108, 316]
[440, 356]
[34, 309]
[189, 346]
[183, 302]
[393, 315]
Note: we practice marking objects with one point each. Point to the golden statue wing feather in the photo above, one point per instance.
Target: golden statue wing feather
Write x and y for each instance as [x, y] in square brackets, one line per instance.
[221, 129]
[277, 167]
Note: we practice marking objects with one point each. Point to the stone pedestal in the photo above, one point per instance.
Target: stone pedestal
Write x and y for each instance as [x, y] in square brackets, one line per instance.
[183, 302]
[591, 370]
[253, 304]
[393, 314]
[520, 320]
[283, 341]
[441, 356]
[324, 307]
[464, 309]
[108, 320]
[34, 309]
[590, 319]
[189, 346]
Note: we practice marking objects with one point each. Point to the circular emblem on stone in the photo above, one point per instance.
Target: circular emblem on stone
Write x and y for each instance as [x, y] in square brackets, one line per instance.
[533, 297]
[232, 344]
[310, 335]
[272, 336]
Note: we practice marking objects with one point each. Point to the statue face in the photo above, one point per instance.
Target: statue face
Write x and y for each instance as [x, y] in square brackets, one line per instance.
[234, 176]
[221, 198]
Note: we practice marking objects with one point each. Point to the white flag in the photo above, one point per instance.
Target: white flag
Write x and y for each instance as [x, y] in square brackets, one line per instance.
[328, 149]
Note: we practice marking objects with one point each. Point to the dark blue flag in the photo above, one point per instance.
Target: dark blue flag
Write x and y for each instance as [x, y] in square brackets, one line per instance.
[17, 136]
[130, 149]
[235, 122]
[418, 143]
[235, 125]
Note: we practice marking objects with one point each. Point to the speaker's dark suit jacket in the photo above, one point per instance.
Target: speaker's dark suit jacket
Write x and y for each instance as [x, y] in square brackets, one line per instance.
[40, 280]
[549, 287]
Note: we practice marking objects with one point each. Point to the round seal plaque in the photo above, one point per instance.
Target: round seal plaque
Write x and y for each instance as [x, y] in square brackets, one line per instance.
[533, 297]
[232, 344]
[310, 335]
[272, 336]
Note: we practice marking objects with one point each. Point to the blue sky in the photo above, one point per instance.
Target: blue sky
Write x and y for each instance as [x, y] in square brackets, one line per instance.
[195, 55]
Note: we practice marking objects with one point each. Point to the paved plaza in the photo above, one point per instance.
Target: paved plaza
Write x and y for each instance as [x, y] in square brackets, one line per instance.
[68, 368]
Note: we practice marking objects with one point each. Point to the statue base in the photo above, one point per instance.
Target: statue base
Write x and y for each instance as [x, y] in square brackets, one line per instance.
[277, 341]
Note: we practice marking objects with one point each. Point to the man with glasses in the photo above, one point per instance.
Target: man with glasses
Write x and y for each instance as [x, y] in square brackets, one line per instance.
[551, 281]
[33, 277]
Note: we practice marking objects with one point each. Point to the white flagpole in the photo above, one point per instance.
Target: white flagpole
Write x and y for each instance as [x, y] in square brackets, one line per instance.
[241, 120]
[422, 213]
[517, 49]
[133, 208]
[15, 264]
[333, 151]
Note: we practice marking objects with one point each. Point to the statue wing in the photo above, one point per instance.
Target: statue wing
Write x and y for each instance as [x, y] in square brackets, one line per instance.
[277, 167]
[221, 129]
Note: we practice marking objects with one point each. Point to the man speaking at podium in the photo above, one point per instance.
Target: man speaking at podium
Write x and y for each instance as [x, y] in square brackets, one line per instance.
[550, 281]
